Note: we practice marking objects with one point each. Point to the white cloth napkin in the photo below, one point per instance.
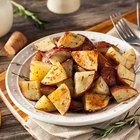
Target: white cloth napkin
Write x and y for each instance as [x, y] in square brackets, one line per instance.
[46, 131]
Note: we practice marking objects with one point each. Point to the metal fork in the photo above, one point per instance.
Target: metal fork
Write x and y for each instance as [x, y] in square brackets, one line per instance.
[124, 30]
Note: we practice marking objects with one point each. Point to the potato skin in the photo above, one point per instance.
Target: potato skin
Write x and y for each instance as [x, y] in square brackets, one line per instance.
[109, 75]
[123, 93]
[103, 46]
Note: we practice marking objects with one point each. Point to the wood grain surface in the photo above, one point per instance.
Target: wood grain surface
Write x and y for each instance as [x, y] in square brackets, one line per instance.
[91, 13]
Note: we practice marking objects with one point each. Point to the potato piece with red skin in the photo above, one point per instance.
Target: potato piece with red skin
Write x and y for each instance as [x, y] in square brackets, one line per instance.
[109, 75]
[125, 76]
[94, 102]
[83, 82]
[86, 59]
[71, 41]
[123, 93]
[103, 46]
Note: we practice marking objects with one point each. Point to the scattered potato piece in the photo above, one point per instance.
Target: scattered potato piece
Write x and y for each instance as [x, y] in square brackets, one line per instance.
[86, 59]
[59, 56]
[30, 89]
[130, 56]
[70, 84]
[101, 87]
[55, 75]
[116, 56]
[83, 81]
[45, 44]
[61, 98]
[122, 93]
[71, 40]
[37, 56]
[93, 102]
[68, 67]
[38, 70]
[45, 104]
[125, 76]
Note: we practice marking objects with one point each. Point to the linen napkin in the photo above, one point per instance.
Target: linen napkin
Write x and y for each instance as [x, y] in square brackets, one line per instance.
[46, 131]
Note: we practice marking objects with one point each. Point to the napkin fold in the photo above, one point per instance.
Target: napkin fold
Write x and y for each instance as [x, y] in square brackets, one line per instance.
[45, 131]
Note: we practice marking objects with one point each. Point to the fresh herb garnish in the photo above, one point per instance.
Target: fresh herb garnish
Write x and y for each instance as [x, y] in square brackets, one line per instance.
[27, 13]
[128, 120]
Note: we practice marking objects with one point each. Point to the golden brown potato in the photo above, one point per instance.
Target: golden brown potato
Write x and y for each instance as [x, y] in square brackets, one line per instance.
[45, 45]
[93, 102]
[61, 98]
[86, 59]
[55, 75]
[71, 41]
[30, 89]
[45, 104]
[123, 93]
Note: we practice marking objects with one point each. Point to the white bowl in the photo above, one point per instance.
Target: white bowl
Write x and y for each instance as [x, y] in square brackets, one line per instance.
[70, 119]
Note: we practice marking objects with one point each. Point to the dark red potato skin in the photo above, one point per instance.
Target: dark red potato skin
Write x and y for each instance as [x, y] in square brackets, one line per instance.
[103, 46]
[109, 75]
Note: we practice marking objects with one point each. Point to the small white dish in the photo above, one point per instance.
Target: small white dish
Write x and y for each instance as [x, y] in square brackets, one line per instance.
[70, 119]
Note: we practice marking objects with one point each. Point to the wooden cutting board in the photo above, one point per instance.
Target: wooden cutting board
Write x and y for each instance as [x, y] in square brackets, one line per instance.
[21, 116]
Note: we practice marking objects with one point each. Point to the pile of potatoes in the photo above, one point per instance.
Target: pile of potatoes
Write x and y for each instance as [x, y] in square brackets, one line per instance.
[71, 73]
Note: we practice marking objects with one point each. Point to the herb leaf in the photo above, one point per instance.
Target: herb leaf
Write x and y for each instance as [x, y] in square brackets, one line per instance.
[27, 13]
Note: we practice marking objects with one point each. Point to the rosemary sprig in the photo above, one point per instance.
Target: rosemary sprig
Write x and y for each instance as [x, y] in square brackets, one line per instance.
[21, 76]
[22, 10]
[128, 120]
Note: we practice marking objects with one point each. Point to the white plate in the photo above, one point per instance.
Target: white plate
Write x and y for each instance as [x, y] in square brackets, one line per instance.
[70, 119]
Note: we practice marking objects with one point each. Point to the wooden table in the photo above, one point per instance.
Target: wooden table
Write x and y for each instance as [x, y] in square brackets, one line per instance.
[91, 13]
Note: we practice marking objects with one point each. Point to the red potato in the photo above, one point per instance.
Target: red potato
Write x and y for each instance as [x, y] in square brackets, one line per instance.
[83, 82]
[123, 93]
[103, 46]
[56, 55]
[125, 76]
[76, 106]
[37, 56]
[86, 59]
[44, 45]
[130, 57]
[68, 67]
[88, 45]
[94, 102]
[46, 90]
[71, 41]
[61, 99]
[109, 75]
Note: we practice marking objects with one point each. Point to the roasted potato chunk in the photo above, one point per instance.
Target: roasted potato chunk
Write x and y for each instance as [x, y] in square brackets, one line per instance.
[86, 59]
[45, 104]
[125, 76]
[83, 81]
[30, 89]
[38, 70]
[61, 98]
[93, 102]
[71, 41]
[123, 93]
[55, 75]
[45, 45]
[101, 87]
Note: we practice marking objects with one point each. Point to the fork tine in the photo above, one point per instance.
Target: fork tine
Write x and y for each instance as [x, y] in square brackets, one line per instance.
[116, 28]
[126, 27]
